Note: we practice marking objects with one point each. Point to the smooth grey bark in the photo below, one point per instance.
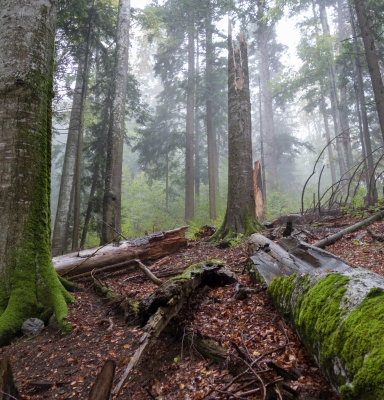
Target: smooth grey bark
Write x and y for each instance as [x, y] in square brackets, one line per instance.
[29, 286]
[269, 137]
[262, 157]
[114, 166]
[60, 232]
[197, 125]
[372, 60]
[189, 150]
[209, 56]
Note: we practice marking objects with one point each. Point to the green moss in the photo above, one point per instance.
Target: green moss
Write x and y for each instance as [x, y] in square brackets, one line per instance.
[356, 340]
[188, 272]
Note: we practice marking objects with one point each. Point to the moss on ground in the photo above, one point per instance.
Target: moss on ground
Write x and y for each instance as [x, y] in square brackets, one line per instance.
[334, 337]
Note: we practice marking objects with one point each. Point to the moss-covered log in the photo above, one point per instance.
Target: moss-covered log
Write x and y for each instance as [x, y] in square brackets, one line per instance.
[338, 313]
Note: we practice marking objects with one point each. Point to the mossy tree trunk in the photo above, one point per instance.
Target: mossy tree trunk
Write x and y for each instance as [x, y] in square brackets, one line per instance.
[240, 216]
[29, 286]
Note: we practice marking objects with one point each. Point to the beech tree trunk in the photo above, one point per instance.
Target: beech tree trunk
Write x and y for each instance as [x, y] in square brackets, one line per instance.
[29, 286]
[114, 167]
[189, 151]
[372, 60]
[336, 311]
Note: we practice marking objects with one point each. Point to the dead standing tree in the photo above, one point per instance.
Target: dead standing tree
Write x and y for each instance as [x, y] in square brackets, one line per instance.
[240, 216]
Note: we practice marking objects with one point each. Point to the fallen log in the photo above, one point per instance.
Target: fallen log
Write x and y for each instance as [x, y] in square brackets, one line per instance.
[164, 303]
[336, 310]
[101, 389]
[353, 228]
[145, 248]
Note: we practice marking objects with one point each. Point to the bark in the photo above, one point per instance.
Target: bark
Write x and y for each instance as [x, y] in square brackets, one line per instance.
[189, 151]
[149, 247]
[114, 167]
[60, 231]
[366, 138]
[333, 95]
[353, 228]
[197, 125]
[209, 56]
[336, 311]
[269, 137]
[240, 215]
[101, 389]
[79, 156]
[7, 385]
[29, 286]
[328, 139]
[262, 158]
[258, 191]
[372, 60]
[162, 305]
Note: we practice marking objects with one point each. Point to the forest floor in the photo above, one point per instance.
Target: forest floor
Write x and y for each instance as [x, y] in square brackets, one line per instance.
[50, 366]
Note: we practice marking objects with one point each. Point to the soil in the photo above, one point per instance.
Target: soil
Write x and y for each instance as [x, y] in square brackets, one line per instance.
[51, 366]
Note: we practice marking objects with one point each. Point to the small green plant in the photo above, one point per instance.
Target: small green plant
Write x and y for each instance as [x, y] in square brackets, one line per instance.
[237, 240]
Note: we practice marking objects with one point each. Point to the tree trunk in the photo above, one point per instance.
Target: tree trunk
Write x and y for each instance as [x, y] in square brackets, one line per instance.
[29, 286]
[258, 191]
[197, 124]
[335, 310]
[209, 56]
[79, 156]
[333, 95]
[7, 384]
[60, 231]
[366, 139]
[269, 137]
[149, 247]
[262, 158]
[114, 167]
[189, 151]
[328, 138]
[240, 215]
[372, 60]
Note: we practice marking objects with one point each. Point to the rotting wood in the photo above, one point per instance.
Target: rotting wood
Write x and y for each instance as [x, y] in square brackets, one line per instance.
[101, 389]
[353, 228]
[258, 191]
[8, 389]
[163, 304]
[336, 311]
[145, 248]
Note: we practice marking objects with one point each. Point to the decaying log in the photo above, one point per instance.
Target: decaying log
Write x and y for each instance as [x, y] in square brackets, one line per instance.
[145, 248]
[163, 304]
[336, 310]
[258, 191]
[8, 389]
[101, 389]
[353, 228]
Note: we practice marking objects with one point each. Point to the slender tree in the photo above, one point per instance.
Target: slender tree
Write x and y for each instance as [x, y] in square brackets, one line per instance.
[29, 286]
[372, 60]
[114, 170]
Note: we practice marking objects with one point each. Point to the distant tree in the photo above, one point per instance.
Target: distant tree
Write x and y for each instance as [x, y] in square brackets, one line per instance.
[240, 216]
[372, 59]
[29, 286]
[114, 167]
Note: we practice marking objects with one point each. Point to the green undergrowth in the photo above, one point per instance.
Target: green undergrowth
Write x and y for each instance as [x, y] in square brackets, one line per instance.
[334, 337]
[195, 269]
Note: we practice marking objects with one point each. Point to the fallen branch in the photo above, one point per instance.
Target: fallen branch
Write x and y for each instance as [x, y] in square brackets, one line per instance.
[353, 228]
[151, 247]
[101, 389]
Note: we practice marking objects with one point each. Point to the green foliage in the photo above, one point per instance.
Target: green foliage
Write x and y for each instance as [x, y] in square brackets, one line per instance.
[278, 203]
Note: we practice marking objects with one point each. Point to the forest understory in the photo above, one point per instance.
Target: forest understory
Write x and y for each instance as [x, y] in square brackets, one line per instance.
[49, 366]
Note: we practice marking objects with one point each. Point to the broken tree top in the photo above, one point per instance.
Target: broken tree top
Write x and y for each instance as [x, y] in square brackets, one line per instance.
[149, 247]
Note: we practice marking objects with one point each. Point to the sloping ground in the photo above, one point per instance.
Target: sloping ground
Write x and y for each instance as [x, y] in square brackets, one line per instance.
[71, 363]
